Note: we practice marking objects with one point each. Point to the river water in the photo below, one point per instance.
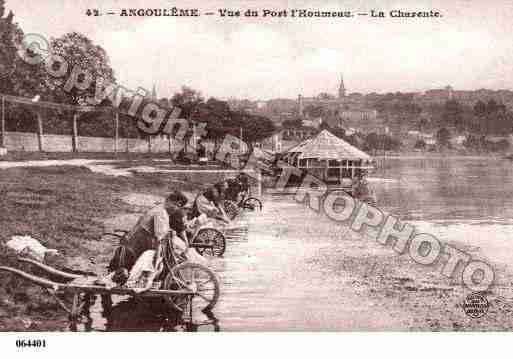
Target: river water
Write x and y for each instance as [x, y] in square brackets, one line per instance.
[281, 272]
[468, 200]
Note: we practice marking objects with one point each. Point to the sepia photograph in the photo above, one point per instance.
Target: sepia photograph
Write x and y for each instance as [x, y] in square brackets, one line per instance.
[255, 166]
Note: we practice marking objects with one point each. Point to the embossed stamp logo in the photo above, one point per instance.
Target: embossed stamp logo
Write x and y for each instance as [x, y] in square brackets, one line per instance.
[475, 305]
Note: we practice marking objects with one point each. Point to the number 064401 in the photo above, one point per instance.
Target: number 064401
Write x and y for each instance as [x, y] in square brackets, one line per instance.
[30, 343]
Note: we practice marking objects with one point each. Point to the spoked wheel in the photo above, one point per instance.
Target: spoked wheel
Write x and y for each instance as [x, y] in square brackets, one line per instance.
[177, 301]
[231, 209]
[252, 204]
[209, 241]
[196, 278]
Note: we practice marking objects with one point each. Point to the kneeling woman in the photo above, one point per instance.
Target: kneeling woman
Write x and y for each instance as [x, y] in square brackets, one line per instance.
[140, 253]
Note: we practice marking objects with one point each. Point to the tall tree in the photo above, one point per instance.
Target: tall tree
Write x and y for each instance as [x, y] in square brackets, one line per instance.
[443, 136]
[18, 77]
[216, 114]
[295, 123]
[479, 108]
[453, 114]
[256, 128]
[83, 58]
[9, 37]
[422, 124]
[491, 107]
[188, 100]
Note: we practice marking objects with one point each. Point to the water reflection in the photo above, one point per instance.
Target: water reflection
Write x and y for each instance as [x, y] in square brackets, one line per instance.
[464, 200]
[132, 314]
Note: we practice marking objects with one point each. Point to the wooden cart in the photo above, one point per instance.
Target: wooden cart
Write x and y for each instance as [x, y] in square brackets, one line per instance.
[184, 286]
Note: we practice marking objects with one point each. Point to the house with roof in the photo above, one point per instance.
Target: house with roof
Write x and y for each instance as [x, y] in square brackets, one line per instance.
[329, 158]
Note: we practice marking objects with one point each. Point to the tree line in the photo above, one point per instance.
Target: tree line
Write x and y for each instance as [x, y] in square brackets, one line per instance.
[76, 49]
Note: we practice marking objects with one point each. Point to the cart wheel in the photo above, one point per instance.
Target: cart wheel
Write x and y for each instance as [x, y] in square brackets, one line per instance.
[231, 209]
[200, 280]
[252, 203]
[177, 301]
[209, 236]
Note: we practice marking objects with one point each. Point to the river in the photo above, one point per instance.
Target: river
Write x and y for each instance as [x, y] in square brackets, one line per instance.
[282, 268]
[468, 200]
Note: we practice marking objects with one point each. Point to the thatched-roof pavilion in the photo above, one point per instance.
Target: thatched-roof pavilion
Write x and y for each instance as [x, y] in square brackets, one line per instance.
[329, 158]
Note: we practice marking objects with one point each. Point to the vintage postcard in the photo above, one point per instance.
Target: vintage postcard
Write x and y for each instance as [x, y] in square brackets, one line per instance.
[255, 166]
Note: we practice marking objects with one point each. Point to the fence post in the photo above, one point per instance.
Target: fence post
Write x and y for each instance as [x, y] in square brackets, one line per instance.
[2, 126]
[127, 136]
[116, 131]
[259, 184]
[40, 130]
[74, 137]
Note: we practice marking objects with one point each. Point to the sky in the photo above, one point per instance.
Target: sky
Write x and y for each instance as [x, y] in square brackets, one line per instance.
[469, 47]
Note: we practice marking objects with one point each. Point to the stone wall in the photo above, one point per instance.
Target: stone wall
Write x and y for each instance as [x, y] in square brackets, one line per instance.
[26, 141]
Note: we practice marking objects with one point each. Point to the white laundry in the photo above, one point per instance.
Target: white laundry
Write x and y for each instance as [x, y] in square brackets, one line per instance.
[29, 246]
[143, 265]
[190, 253]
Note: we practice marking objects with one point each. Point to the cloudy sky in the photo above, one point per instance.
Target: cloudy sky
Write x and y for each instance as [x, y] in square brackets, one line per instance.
[470, 47]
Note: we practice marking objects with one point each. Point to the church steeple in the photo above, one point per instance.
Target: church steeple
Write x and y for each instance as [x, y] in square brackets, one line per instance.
[341, 88]
[300, 105]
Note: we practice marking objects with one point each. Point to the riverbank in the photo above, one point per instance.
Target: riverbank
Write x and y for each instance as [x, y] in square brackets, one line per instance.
[296, 270]
[65, 208]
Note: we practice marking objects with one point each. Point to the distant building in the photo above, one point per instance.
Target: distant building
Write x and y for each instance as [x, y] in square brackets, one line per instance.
[439, 94]
[341, 88]
[261, 104]
[358, 115]
[298, 133]
[324, 100]
[315, 123]
[273, 143]
[350, 131]
[458, 141]
[349, 109]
